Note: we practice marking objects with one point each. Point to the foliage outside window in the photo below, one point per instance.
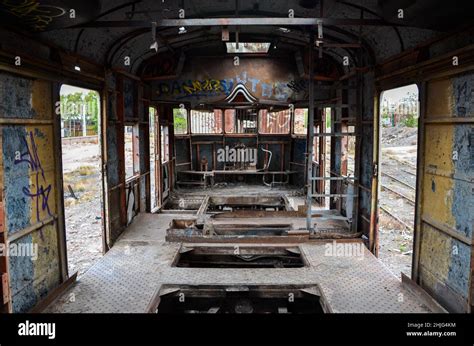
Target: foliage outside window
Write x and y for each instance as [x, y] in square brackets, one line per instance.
[80, 114]
[180, 118]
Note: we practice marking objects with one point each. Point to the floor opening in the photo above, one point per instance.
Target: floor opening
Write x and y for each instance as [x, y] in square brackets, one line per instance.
[238, 299]
[267, 203]
[239, 257]
[82, 179]
[182, 204]
[399, 142]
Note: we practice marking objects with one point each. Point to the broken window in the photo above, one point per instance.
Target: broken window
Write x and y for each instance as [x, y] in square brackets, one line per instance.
[165, 144]
[131, 150]
[247, 47]
[300, 121]
[316, 145]
[180, 121]
[240, 121]
[274, 122]
[203, 122]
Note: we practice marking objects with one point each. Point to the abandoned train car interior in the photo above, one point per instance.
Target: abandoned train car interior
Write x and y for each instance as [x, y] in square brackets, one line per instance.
[236, 153]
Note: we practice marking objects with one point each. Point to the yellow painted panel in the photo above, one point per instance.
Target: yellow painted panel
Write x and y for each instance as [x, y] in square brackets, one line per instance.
[439, 147]
[435, 252]
[440, 99]
[438, 199]
[47, 262]
[42, 177]
[438, 190]
[41, 99]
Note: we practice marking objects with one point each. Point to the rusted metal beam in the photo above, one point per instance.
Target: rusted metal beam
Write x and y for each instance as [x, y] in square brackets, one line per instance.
[239, 21]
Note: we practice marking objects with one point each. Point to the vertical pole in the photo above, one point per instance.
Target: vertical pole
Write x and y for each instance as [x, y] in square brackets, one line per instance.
[310, 127]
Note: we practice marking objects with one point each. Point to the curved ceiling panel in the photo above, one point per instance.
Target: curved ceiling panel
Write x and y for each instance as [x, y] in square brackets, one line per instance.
[108, 43]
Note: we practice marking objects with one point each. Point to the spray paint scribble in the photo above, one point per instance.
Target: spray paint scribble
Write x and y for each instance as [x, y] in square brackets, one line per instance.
[43, 189]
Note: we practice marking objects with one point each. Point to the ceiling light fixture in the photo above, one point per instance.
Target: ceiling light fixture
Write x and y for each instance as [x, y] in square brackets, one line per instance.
[182, 30]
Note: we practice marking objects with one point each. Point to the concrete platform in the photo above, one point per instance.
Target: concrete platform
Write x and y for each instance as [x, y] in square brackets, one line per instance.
[127, 277]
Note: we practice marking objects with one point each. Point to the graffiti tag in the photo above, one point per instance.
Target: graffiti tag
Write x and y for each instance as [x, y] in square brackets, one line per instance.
[33, 13]
[42, 189]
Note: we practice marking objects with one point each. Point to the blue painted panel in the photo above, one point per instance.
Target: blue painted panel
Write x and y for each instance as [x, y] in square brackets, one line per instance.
[15, 177]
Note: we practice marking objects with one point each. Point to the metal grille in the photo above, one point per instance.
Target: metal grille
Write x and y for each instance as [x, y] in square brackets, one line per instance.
[206, 121]
[274, 122]
[241, 121]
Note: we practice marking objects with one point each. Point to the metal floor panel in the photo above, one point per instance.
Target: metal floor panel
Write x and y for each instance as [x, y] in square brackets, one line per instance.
[127, 277]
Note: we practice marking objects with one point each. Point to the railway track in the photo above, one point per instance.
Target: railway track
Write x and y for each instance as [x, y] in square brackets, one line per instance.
[398, 180]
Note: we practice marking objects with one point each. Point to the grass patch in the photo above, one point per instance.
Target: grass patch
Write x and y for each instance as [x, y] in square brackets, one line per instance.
[79, 187]
[85, 170]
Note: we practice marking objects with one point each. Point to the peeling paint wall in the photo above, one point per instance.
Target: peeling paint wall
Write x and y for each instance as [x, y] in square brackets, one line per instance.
[447, 215]
[29, 188]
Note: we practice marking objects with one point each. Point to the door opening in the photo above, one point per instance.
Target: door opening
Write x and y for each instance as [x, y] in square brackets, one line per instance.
[154, 158]
[82, 177]
[399, 112]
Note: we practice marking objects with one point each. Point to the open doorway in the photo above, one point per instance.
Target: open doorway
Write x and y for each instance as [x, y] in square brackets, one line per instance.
[399, 111]
[82, 179]
[327, 114]
[154, 193]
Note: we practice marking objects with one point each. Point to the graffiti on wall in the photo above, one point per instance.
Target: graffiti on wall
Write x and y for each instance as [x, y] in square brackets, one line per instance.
[181, 89]
[47, 14]
[39, 190]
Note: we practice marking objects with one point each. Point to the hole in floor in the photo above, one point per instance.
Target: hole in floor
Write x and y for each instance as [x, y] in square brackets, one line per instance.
[239, 257]
[238, 299]
[183, 204]
[266, 203]
[249, 230]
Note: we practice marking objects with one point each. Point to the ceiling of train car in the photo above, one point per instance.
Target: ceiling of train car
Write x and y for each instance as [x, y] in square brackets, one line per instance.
[106, 31]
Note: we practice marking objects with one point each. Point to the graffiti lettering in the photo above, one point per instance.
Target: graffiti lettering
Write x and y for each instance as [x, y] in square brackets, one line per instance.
[194, 87]
[214, 87]
[42, 189]
[33, 13]
[298, 85]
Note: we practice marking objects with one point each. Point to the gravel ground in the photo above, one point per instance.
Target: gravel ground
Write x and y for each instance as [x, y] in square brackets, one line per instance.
[398, 160]
[81, 166]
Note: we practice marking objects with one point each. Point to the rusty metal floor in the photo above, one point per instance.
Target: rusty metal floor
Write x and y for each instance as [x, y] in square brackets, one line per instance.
[127, 277]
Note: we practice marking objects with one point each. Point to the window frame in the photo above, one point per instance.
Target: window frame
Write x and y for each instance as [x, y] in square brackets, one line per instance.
[305, 120]
[220, 126]
[287, 126]
[187, 117]
[135, 151]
